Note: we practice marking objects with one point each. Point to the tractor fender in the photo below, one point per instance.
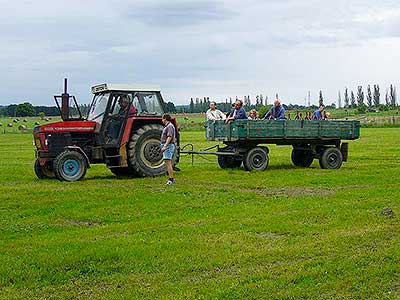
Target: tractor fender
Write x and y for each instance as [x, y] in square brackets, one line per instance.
[79, 149]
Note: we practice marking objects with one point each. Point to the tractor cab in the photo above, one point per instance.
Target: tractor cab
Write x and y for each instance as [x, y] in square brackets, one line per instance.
[113, 105]
[122, 130]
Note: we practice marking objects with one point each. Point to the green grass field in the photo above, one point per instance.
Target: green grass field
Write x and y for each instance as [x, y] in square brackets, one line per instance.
[286, 233]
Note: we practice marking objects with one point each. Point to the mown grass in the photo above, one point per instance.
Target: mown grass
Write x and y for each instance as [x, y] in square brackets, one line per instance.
[286, 233]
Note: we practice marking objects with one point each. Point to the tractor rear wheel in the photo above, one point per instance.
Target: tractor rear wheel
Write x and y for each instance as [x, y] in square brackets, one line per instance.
[331, 158]
[144, 152]
[302, 158]
[256, 159]
[70, 166]
[43, 172]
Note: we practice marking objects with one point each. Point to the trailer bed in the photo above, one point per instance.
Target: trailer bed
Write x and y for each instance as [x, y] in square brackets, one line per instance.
[282, 131]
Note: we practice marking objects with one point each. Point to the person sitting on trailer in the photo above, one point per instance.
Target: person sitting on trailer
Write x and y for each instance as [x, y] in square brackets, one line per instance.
[317, 115]
[214, 114]
[327, 115]
[299, 116]
[237, 113]
[308, 116]
[277, 112]
[253, 115]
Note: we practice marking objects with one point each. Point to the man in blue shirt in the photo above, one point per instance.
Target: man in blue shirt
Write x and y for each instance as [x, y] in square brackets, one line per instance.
[317, 115]
[277, 112]
[237, 113]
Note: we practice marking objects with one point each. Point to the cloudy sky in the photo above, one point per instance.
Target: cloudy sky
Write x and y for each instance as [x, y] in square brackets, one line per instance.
[198, 48]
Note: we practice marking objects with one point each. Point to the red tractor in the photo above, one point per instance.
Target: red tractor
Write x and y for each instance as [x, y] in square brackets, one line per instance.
[122, 129]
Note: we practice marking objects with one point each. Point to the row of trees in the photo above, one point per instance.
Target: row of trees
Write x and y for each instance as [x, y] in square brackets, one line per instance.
[370, 99]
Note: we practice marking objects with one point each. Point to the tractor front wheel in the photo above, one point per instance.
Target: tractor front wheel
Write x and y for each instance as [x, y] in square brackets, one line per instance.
[43, 172]
[70, 166]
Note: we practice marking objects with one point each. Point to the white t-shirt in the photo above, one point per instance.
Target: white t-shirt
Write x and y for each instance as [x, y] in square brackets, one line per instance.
[214, 115]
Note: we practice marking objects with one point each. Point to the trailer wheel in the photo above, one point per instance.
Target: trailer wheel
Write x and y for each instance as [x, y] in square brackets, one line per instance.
[69, 166]
[331, 158]
[256, 159]
[144, 152]
[302, 158]
[43, 172]
[229, 162]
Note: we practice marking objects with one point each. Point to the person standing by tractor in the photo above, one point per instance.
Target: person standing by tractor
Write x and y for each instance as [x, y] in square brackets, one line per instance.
[168, 146]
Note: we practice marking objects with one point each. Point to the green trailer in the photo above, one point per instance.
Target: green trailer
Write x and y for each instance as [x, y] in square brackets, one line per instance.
[245, 141]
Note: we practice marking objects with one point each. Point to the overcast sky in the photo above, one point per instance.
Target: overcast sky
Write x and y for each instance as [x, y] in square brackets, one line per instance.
[196, 48]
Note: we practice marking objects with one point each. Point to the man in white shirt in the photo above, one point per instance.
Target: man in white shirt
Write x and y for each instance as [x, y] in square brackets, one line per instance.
[214, 114]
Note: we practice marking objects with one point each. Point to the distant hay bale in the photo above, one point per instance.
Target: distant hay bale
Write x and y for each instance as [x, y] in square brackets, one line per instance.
[10, 125]
[49, 118]
[1, 124]
[37, 123]
[25, 120]
[46, 119]
[22, 128]
[15, 120]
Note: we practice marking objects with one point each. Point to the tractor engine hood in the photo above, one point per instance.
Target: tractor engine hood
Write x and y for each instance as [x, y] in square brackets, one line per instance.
[66, 126]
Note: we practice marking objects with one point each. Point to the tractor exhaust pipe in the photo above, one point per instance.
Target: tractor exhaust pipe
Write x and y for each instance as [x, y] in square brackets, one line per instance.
[65, 101]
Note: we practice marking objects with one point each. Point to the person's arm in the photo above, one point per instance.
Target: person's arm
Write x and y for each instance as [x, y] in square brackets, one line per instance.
[267, 115]
[209, 115]
[167, 142]
[221, 115]
[281, 114]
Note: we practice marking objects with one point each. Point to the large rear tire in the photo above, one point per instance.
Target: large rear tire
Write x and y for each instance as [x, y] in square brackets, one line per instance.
[43, 172]
[331, 158]
[144, 152]
[70, 166]
[256, 159]
[302, 158]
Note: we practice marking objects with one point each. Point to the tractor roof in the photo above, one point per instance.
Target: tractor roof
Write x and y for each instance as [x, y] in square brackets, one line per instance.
[124, 88]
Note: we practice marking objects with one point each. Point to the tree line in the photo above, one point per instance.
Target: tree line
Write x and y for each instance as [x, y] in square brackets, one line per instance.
[26, 109]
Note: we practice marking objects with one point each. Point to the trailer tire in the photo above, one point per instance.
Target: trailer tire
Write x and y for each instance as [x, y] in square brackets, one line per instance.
[256, 159]
[70, 166]
[144, 152]
[331, 158]
[229, 162]
[43, 172]
[302, 158]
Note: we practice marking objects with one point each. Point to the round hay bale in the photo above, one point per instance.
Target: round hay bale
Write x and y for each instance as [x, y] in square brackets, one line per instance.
[37, 123]
[10, 125]
[46, 119]
[49, 118]
[15, 121]
[25, 120]
[22, 128]
[1, 124]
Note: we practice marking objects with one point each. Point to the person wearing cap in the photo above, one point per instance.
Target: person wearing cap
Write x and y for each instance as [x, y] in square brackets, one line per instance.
[214, 114]
[277, 112]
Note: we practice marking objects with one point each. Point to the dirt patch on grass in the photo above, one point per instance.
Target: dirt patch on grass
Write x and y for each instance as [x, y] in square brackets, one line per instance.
[83, 223]
[301, 191]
